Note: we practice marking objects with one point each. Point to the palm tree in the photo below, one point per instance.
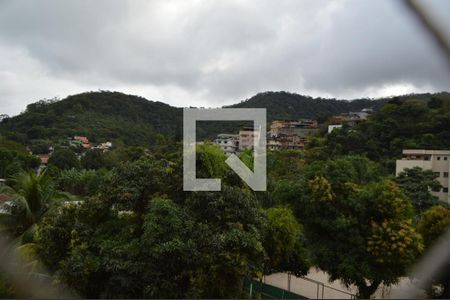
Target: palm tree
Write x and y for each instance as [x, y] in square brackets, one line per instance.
[33, 194]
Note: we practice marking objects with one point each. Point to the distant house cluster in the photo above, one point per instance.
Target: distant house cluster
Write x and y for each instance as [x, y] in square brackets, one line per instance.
[290, 134]
[81, 141]
[350, 119]
[286, 134]
[233, 143]
[76, 141]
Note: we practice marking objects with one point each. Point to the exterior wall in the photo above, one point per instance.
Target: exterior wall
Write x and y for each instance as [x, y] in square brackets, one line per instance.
[301, 127]
[298, 131]
[409, 164]
[289, 134]
[333, 127]
[437, 161]
[228, 143]
[273, 145]
[246, 137]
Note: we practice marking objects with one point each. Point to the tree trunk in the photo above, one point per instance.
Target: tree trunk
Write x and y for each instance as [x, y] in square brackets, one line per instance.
[365, 291]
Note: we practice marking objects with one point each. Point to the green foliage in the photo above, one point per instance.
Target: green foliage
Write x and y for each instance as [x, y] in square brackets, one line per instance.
[14, 158]
[200, 249]
[33, 195]
[434, 223]
[53, 235]
[284, 243]
[406, 123]
[64, 159]
[360, 234]
[210, 161]
[135, 121]
[168, 232]
[133, 184]
[138, 235]
[40, 147]
[230, 241]
[93, 160]
[101, 116]
[417, 184]
[284, 105]
[82, 182]
[285, 164]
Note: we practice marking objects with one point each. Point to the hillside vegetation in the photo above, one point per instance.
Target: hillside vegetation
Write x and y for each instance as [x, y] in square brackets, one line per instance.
[101, 116]
[136, 121]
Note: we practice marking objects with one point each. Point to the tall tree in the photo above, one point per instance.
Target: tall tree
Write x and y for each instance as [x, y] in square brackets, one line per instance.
[64, 159]
[362, 235]
[433, 223]
[283, 242]
[33, 196]
[417, 184]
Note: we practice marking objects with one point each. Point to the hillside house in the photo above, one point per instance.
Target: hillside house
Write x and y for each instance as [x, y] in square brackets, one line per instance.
[228, 143]
[247, 135]
[81, 141]
[350, 119]
[290, 134]
[44, 158]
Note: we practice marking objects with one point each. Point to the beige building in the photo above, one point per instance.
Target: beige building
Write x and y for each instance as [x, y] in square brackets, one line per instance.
[301, 128]
[246, 138]
[436, 160]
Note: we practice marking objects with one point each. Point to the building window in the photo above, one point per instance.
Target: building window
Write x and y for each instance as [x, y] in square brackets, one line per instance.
[438, 158]
[445, 174]
[436, 190]
[437, 174]
[445, 157]
[445, 190]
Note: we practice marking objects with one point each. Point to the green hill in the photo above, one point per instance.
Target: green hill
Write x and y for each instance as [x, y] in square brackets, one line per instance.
[136, 121]
[283, 105]
[123, 119]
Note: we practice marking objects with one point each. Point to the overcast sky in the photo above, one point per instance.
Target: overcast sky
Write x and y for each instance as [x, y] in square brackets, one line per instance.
[212, 53]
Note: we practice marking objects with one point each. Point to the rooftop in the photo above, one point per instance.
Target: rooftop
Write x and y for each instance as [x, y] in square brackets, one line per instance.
[425, 152]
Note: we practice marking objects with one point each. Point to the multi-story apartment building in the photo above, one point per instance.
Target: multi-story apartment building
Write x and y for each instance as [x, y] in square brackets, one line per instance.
[436, 160]
[228, 143]
[300, 128]
[288, 134]
[246, 137]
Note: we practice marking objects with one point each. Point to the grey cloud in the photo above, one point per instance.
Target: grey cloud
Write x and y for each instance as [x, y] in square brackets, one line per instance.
[214, 52]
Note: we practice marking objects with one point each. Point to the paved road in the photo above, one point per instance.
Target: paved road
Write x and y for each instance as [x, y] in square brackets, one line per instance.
[333, 290]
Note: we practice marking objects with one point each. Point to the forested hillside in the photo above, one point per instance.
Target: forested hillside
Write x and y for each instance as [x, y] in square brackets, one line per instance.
[123, 119]
[415, 122]
[136, 121]
[283, 105]
[132, 120]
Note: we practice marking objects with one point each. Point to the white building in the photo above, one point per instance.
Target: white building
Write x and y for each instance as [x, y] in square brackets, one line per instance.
[228, 143]
[436, 160]
[333, 127]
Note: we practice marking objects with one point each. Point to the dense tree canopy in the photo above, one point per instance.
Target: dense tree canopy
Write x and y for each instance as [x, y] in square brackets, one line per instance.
[417, 185]
[134, 233]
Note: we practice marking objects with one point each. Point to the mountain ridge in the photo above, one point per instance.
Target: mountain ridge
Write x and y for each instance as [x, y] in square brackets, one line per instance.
[134, 120]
